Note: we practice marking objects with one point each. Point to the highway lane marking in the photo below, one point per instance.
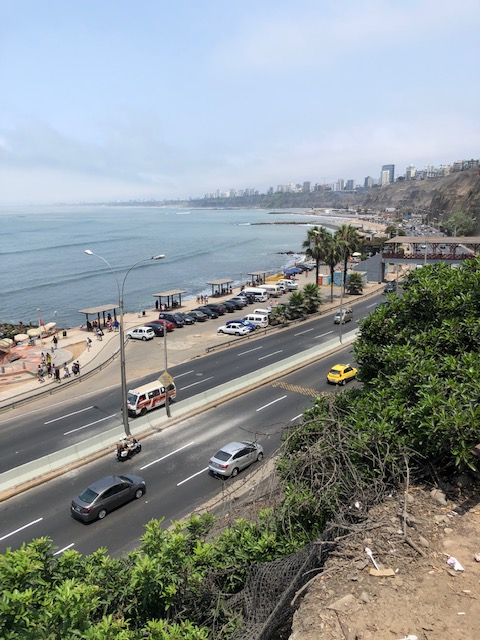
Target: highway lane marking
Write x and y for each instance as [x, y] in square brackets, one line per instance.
[302, 332]
[195, 383]
[90, 424]
[324, 334]
[274, 353]
[12, 533]
[243, 353]
[168, 455]
[270, 403]
[64, 549]
[194, 475]
[185, 373]
[68, 415]
[300, 415]
[374, 304]
[296, 388]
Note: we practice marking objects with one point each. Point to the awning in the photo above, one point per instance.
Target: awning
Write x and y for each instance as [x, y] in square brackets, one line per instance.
[173, 298]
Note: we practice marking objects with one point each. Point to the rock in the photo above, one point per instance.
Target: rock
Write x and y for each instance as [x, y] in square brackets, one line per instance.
[364, 597]
[410, 498]
[423, 542]
[463, 481]
[347, 604]
[438, 496]
[447, 531]
[439, 519]
[477, 557]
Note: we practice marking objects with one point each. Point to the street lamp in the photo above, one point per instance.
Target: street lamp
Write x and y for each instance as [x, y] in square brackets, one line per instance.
[123, 373]
[40, 326]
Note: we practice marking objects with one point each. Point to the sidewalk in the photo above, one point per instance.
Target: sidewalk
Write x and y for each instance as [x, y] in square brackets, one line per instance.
[183, 345]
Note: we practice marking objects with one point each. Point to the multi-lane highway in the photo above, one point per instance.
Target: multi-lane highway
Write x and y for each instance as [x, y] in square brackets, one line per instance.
[47, 426]
[173, 462]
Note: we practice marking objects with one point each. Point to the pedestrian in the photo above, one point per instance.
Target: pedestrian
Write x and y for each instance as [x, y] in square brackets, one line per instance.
[109, 325]
[109, 318]
[74, 369]
[206, 299]
[116, 325]
[78, 367]
[66, 372]
[49, 369]
[48, 359]
[99, 333]
[54, 343]
[88, 342]
[42, 357]
[40, 374]
[57, 374]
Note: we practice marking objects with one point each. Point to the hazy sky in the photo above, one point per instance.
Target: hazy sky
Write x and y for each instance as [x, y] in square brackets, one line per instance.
[120, 99]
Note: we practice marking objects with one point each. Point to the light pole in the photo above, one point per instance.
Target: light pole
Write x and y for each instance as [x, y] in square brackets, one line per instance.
[40, 326]
[123, 373]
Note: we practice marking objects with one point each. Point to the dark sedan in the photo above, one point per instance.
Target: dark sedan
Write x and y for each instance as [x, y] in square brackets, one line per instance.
[175, 318]
[156, 327]
[198, 315]
[187, 319]
[210, 312]
[217, 307]
[105, 495]
[239, 302]
[231, 307]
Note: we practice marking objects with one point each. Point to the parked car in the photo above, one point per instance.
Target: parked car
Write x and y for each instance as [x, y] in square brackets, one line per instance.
[219, 308]
[390, 287]
[248, 297]
[210, 312]
[166, 323]
[141, 333]
[198, 315]
[230, 306]
[175, 318]
[234, 457]
[341, 374]
[105, 495]
[157, 328]
[234, 328]
[238, 301]
[249, 325]
[187, 318]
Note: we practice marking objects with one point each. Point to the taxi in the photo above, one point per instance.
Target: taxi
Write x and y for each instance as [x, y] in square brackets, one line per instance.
[341, 374]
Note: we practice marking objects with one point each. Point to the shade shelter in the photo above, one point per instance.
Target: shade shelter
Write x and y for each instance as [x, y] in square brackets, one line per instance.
[221, 287]
[99, 311]
[256, 278]
[171, 299]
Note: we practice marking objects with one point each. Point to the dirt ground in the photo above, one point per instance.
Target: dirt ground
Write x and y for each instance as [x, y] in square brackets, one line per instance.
[424, 598]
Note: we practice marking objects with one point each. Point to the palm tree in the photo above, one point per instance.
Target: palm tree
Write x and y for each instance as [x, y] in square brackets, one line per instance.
[296, 305]
[311, 295]
[313, 244]
[331, 253]
[348, 241]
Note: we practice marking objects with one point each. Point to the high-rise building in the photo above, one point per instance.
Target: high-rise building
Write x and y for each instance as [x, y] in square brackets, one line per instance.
[368, 182]
[350, 186]
[391, 172]
[340, 184]
[306, 187]
[410, 172]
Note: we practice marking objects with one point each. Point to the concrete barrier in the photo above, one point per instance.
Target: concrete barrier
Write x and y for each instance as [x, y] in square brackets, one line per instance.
[37, 471]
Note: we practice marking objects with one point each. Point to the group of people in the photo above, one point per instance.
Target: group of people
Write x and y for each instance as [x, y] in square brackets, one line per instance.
[47, 369]
[202, 299]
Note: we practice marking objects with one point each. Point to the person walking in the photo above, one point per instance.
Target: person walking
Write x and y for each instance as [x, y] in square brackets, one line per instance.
[54, 343]
[48, 359]
[66, 371]
[57, 374]
[88, 342]
[49, 369]
[40, 374]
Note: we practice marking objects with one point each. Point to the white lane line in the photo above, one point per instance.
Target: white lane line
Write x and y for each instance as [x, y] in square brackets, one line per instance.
[12, 533]
[168, 455]
[242, 353]
[374, 304]
[194, 475]
[324, 334]
[269, 355]
[302, 332]
[185, 373]
[90, 424]
[195, 383]
[57, 553]
[68, 415]
[270, 403]
[296, 417]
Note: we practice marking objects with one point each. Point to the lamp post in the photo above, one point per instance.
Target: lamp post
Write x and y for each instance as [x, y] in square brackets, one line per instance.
[40, 326]
[123, 373]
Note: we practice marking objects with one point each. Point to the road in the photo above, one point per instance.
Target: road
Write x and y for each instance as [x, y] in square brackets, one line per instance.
[173, 464]
[51, 424]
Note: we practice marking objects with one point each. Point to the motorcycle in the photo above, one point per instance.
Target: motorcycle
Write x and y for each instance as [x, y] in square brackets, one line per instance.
[127, 448]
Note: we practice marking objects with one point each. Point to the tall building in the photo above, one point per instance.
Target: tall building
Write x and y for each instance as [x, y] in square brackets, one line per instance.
[340, 184]
[350, 186]
[391, 172]
[306, 187]
[410, 172]
[368, 182]
[385, 177]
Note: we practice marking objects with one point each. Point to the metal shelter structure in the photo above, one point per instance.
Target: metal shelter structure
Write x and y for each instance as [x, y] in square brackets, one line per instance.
[96, 311]
[221, 287]
[256, 278]
[173, 299]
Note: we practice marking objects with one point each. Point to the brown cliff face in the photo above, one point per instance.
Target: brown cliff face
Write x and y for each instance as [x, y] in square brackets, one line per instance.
[437, 197]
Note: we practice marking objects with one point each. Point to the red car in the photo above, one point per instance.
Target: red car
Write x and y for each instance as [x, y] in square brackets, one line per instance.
[166, 323]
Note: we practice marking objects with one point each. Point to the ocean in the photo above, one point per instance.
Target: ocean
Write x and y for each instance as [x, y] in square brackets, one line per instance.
[47, 275]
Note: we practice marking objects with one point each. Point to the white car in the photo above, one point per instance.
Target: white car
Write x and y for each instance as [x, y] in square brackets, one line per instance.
[141, 333]
[234, 328]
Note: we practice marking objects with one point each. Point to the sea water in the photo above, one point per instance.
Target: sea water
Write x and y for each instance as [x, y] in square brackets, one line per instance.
[47, 274]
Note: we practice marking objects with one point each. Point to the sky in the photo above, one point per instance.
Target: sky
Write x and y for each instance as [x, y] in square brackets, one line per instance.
[137, 99]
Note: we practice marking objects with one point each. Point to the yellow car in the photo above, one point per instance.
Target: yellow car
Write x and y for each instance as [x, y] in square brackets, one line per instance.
[341, 373]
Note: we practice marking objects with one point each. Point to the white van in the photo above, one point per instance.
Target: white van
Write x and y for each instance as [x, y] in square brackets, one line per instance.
[262, 312]
[287, 285]
[273, 290]
[148, 397]
[260, 294]
[258, 319]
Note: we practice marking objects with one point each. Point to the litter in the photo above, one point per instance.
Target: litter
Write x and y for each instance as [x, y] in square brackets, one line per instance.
[453, 562]
[369, 553]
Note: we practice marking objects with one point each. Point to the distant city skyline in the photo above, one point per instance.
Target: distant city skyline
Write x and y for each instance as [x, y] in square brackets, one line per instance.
[106, 101]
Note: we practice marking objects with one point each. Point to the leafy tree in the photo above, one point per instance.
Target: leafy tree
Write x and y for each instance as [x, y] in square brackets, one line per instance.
[312, 298]
[331, 253]
[461, 224]
[296, 307]
[316, 237]
[355, 283]
[348, 241]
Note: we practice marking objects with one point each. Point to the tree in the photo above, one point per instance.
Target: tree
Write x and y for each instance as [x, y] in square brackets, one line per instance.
[348, 241]
[311, 295]
[316, 237]
[331, 253]
[460, 224]
[355, 283]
